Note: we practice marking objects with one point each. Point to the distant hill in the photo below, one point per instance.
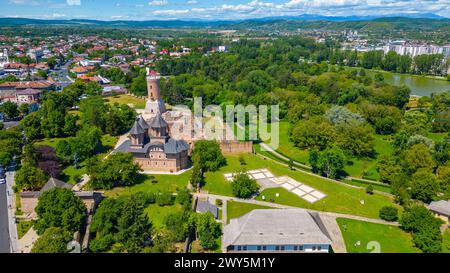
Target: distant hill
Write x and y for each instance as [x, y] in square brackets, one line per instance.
[304, 21]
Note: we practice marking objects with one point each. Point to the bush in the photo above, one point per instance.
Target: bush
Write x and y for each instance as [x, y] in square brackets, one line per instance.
[243, 186]
[369, 189]
[219, 202]
[102, 244]
[389, 213]
[184, 197]
[164, 199]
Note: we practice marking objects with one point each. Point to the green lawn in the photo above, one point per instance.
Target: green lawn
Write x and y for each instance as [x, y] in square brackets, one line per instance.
[158, 214]
[391, 239]
[237, 209]
[446, 241]
[339, 198]
[23, 227]
[170, 183]
[287, 148]
[136, 103]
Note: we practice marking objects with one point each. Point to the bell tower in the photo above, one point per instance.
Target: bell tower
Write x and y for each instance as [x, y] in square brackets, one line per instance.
[154, 105]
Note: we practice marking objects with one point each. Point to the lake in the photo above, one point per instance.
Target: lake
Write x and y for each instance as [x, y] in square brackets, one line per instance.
[419, 85]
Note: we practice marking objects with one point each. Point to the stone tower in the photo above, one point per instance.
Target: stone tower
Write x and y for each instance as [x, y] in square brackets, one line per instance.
[154, 105]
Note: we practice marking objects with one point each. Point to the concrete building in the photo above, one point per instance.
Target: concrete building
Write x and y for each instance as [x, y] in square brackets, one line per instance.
[276, 230]
[29, 96]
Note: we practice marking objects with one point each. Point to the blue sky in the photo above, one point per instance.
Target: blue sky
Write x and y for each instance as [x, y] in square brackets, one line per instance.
[212, 9]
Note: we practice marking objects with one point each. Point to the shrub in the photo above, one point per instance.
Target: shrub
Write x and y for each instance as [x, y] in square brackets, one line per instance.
[389, 213]
[369, 189]
[219, 202]
[243, 186]
[164, 199]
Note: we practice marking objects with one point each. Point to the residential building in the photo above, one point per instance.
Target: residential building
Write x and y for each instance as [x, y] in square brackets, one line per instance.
[441, 209]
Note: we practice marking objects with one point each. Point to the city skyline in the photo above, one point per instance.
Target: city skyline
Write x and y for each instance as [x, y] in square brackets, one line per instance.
[220, 9]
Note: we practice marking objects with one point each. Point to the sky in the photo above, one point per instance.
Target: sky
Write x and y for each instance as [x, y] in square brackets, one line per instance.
[212, 9]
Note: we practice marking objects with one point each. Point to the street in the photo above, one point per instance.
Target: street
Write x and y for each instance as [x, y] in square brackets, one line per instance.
[4, 221]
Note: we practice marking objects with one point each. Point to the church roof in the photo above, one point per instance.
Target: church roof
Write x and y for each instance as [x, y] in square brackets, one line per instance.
[137, 129]
[157, 122]
[142, 123]
[173, 146]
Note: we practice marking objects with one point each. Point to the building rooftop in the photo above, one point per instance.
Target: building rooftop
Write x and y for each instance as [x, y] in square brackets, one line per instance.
[157, 122]
[441, 207]
[276, 227]
[205, 206]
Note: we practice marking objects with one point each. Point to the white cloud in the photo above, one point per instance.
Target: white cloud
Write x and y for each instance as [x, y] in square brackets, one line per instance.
[158, 3]
[73, 2]
[17, 2]
[192, 2]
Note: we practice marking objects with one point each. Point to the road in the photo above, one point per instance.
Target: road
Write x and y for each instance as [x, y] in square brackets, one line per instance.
[61, 75]
[4, 221]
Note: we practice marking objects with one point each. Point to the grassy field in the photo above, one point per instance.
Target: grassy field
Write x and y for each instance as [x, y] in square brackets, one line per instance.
[237, 209]
[164, 183]
[391, 239]
[23, 227]
[134, 102]
[446, 241]
[339, 198]
[158, 214]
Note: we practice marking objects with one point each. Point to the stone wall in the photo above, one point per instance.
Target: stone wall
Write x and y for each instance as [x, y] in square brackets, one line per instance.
[236, 147]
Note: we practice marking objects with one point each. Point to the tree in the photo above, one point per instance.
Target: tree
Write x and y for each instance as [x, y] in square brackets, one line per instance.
[340, 115]
[53, 240]
[29, 178]
[24, 108]
[134, 228]
[424, 227]
[31, 125]
[118, 169]
[389, 213]
[356, 139]
[9, 109]
[184, 197]
[197, 177]
[424, 186]
[208, 155]
[59, 207]
[93, 112]
[243, 186]
[313, 133]
[389, 168]
[416, 157]
[207, 228]
[329, 163]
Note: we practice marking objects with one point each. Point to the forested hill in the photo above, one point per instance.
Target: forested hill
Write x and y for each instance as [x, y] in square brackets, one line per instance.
[279, 23]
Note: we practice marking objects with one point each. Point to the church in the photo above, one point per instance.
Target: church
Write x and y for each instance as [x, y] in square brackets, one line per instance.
[150, 140]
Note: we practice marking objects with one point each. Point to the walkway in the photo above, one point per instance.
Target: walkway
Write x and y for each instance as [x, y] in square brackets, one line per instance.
[27, 241]
[11, 198]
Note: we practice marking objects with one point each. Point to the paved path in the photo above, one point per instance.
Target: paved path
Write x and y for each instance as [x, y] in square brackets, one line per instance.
[4, 229]
[11, 198]
[27, 241]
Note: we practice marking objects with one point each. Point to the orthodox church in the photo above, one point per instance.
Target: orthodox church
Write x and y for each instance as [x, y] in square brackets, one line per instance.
[150, 140]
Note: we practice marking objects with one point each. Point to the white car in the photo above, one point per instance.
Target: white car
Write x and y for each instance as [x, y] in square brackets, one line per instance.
[3, 180]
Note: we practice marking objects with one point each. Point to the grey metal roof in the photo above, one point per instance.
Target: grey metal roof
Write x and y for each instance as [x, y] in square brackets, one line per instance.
[125, 147]
[137, 129]
[55, 183]
[142, 123]
[205, 206]
[173, 146]
[157, 122]
[441, 207]
[274, 227]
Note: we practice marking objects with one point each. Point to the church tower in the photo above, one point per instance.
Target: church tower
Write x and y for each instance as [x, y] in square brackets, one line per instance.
[154, 105]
